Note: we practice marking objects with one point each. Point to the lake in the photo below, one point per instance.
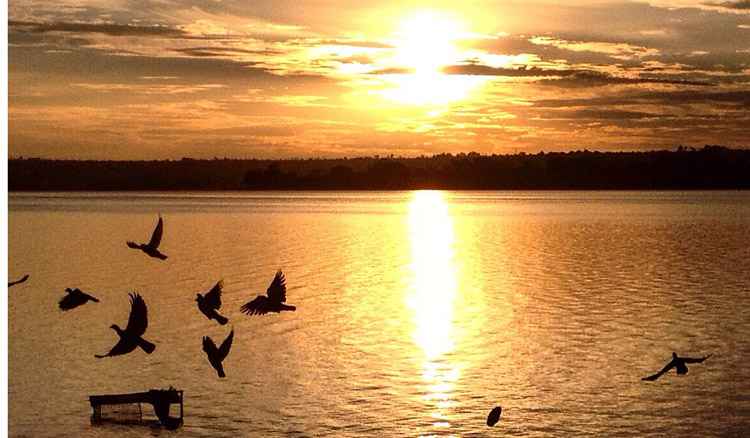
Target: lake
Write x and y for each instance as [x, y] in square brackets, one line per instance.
[417, 312]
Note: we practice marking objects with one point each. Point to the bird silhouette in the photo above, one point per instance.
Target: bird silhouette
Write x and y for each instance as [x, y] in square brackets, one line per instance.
[217, 355]
[272, 302]
[131, 337]
[676, 362]
[74, 298]
[494, 416]
[13, 283]
[211, 302]
[152, 247]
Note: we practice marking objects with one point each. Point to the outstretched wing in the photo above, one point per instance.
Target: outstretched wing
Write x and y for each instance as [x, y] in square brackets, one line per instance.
[138, 320]
[209, 347]
[696, 359]
[277, 290]
[121, 347]
[24, 278]
[88, 297]
[258, 306]
[666, 368]
[225, 346]
[156, 236]
[213, 297]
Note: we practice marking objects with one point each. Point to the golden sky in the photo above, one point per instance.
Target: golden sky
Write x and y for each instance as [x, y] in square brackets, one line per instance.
[136, 79]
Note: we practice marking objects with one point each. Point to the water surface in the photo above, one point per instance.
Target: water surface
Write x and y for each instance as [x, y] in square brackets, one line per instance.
[417, 311]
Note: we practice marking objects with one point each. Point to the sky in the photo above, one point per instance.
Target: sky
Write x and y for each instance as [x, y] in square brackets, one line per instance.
[158, 79]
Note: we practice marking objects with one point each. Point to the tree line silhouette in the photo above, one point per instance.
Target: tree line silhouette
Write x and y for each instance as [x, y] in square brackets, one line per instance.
[710, 167]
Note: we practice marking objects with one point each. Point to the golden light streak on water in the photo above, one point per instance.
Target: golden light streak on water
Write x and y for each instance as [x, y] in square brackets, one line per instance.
[432, 298]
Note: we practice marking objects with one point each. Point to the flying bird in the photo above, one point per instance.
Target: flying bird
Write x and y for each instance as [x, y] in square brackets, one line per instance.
[494, 416]
[13, 283]
[676, 362]
[131, 336]
[272, 302]
[74, 298]
[152, 247]
[211, 302]
[217, 355]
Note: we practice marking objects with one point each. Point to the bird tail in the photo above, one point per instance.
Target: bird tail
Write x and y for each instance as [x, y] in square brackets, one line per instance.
[161, 256]
[96, 300]
[100, 356]
[220, 371]
[287, 307]
[147, 346]
[221, 319]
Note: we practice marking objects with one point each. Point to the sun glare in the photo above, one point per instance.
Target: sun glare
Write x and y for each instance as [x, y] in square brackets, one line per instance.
[425, 43]
[432, 88]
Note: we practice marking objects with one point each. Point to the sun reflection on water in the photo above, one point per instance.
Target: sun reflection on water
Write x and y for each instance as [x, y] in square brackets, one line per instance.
[432, 298]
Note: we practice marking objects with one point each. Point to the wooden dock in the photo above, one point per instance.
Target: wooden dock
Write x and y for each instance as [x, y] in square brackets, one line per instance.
[160, 399]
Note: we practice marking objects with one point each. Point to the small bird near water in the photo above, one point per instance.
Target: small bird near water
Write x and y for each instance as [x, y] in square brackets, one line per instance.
[676, 362]
[211, 302]
[21, 280]
[273, 301]
[494, 416]
[131, 337]
[217, 355]
[74, 298]
[152, 247]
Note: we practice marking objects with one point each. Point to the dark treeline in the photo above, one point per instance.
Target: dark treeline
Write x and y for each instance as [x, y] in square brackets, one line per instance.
[711, 167]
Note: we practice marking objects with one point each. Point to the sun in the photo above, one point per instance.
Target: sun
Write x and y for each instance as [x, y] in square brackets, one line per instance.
[426, 42]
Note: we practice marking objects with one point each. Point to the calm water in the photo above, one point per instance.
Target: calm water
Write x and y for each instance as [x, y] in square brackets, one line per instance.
[417, 312]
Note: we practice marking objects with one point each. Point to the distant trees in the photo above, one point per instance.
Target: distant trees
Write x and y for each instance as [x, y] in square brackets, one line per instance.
[711, 167]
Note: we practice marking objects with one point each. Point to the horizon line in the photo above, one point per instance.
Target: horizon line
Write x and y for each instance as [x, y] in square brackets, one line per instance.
[678, 148]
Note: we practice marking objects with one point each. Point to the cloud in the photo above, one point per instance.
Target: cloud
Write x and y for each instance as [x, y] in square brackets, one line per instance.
[392, 71]
[78, 65]
[486, 70]
[101, 28]
[158, 78]
[297, 100]
[217, 51]
[149, 89]
[734, 98]
[280, 130]
[354, 43]
[610, 114]
[596, 79]
[563, 77]
[623, 51]
[162, 44]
